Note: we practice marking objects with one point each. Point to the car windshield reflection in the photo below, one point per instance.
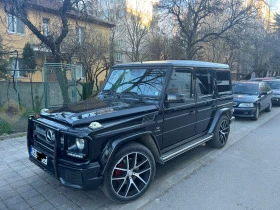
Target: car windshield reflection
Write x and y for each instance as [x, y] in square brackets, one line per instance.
[136, 82]
[243, 88]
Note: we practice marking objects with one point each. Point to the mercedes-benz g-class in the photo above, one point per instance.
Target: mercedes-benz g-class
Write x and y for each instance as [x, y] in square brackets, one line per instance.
[146, 113]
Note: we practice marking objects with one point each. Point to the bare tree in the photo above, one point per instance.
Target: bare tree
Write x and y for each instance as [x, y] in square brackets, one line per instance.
[93, 53]
[195, 20]
[19, 9]
[4, 64]
[275, 58]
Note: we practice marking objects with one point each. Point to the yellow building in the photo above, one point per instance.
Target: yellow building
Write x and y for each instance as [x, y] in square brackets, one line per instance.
[44, 15]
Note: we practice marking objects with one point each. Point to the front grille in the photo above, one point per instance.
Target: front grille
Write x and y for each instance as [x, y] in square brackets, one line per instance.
[41, 140]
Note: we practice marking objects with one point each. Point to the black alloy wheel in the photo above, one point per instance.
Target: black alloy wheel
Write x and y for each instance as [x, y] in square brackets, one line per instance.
[130, 173]
[221, 133]
[269, 108]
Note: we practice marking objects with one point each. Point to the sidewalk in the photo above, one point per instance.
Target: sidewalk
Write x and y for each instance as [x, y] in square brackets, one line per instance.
[25, 186]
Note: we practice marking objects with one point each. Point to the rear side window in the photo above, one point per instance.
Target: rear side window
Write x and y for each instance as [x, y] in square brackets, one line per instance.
[223, 81]
[204, 82]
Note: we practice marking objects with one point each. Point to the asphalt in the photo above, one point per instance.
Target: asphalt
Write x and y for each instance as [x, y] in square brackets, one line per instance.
[245, 176]
[25, 186]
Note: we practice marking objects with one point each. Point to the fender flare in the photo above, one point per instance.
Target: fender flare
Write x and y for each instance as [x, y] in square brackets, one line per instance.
[218, 114]
[114, 144]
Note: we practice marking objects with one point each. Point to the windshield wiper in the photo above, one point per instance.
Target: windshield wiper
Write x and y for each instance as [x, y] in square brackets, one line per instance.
[108, 91]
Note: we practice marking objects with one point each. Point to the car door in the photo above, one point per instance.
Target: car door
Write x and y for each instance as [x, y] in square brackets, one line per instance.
[269, 92]
[264, 97]
[179, 113]
[206, 103]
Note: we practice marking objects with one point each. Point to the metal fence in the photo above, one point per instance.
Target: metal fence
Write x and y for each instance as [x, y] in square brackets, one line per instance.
[60, 87]
[27, 91]
[20, 95]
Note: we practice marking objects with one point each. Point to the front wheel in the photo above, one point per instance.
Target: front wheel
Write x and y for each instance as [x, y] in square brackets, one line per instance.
[257, 113]
[130, 173]
[221, 133]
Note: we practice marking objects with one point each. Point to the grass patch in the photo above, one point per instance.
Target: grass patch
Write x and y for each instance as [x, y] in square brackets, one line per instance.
[5, 128]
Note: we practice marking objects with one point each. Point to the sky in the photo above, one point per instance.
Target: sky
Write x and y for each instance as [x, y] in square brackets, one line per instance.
[275, 5]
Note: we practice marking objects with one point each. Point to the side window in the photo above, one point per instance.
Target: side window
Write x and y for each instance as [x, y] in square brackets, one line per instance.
[267, 87]
[181, 87]
[262, 87]
[223, 81]
[204, 82]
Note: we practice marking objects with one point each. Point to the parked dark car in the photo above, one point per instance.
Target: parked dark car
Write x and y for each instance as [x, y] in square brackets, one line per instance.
[146, 113]
[250, 98]
[275, 86]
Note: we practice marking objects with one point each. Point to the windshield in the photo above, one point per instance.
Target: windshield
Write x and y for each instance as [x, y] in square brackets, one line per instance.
[274, 84]
[140, 81]
[246, 88]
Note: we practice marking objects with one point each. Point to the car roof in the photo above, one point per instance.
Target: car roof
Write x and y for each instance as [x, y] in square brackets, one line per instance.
[272, 80]
[247, 82]
[187, 63]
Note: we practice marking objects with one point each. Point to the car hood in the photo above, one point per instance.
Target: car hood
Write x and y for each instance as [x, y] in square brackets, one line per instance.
[97, 109]
[245, 98]
[276, 91]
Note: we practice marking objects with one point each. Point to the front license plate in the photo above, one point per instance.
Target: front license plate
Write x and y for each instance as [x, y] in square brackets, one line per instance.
[39, 156]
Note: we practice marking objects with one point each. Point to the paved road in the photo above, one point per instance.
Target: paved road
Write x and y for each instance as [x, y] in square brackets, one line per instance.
[25, 186]
[244, 176]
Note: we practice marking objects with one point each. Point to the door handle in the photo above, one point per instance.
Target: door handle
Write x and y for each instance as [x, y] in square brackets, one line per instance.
[192, 112]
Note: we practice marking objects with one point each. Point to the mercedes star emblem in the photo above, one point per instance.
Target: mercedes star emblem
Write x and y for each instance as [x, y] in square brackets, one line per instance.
[50, 136]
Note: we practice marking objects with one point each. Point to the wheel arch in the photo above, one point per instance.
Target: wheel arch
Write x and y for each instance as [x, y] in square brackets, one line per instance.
[145, 138]
[218, 114]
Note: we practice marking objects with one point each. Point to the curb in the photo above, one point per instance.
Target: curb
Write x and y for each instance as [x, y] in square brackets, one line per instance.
[11, 136]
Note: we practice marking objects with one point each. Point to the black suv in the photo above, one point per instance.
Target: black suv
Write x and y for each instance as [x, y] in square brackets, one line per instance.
[146, 113]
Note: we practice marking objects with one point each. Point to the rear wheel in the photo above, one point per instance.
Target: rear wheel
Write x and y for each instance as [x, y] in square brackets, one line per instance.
[268, 109]
[130, 173]
[257, 113]
[221, 133]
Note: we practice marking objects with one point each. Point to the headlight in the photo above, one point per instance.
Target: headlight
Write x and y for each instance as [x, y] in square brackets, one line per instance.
[246, 105]
[80, 143]
[77, 147]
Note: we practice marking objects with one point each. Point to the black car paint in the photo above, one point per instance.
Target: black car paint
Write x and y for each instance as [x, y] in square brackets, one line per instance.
[124, 119]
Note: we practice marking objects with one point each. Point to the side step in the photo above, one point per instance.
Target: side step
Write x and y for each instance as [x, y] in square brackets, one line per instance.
[185, 147]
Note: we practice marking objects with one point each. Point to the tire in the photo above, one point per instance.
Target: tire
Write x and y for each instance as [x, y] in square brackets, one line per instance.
[125, 182]
[221, 133]
[269, 108]
[256, 116]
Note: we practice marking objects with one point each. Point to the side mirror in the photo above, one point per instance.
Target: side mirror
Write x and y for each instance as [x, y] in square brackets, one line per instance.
[174, 98]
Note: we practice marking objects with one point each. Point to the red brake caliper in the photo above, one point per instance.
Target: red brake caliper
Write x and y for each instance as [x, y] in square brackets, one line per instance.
[118, 172]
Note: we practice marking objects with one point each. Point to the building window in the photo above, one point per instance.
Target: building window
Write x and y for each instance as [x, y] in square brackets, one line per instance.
[46, 26]
[119, 43]
[15, 25]
[17, 67]
[80, 34]
[80, 72]
[119, 57]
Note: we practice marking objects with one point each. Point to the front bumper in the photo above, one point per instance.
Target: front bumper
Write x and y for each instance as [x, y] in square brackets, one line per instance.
[81, 175]
[276, 101]
[71, 176]
[244, 112]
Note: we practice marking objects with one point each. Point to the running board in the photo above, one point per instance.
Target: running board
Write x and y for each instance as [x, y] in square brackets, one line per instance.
[183, 148]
